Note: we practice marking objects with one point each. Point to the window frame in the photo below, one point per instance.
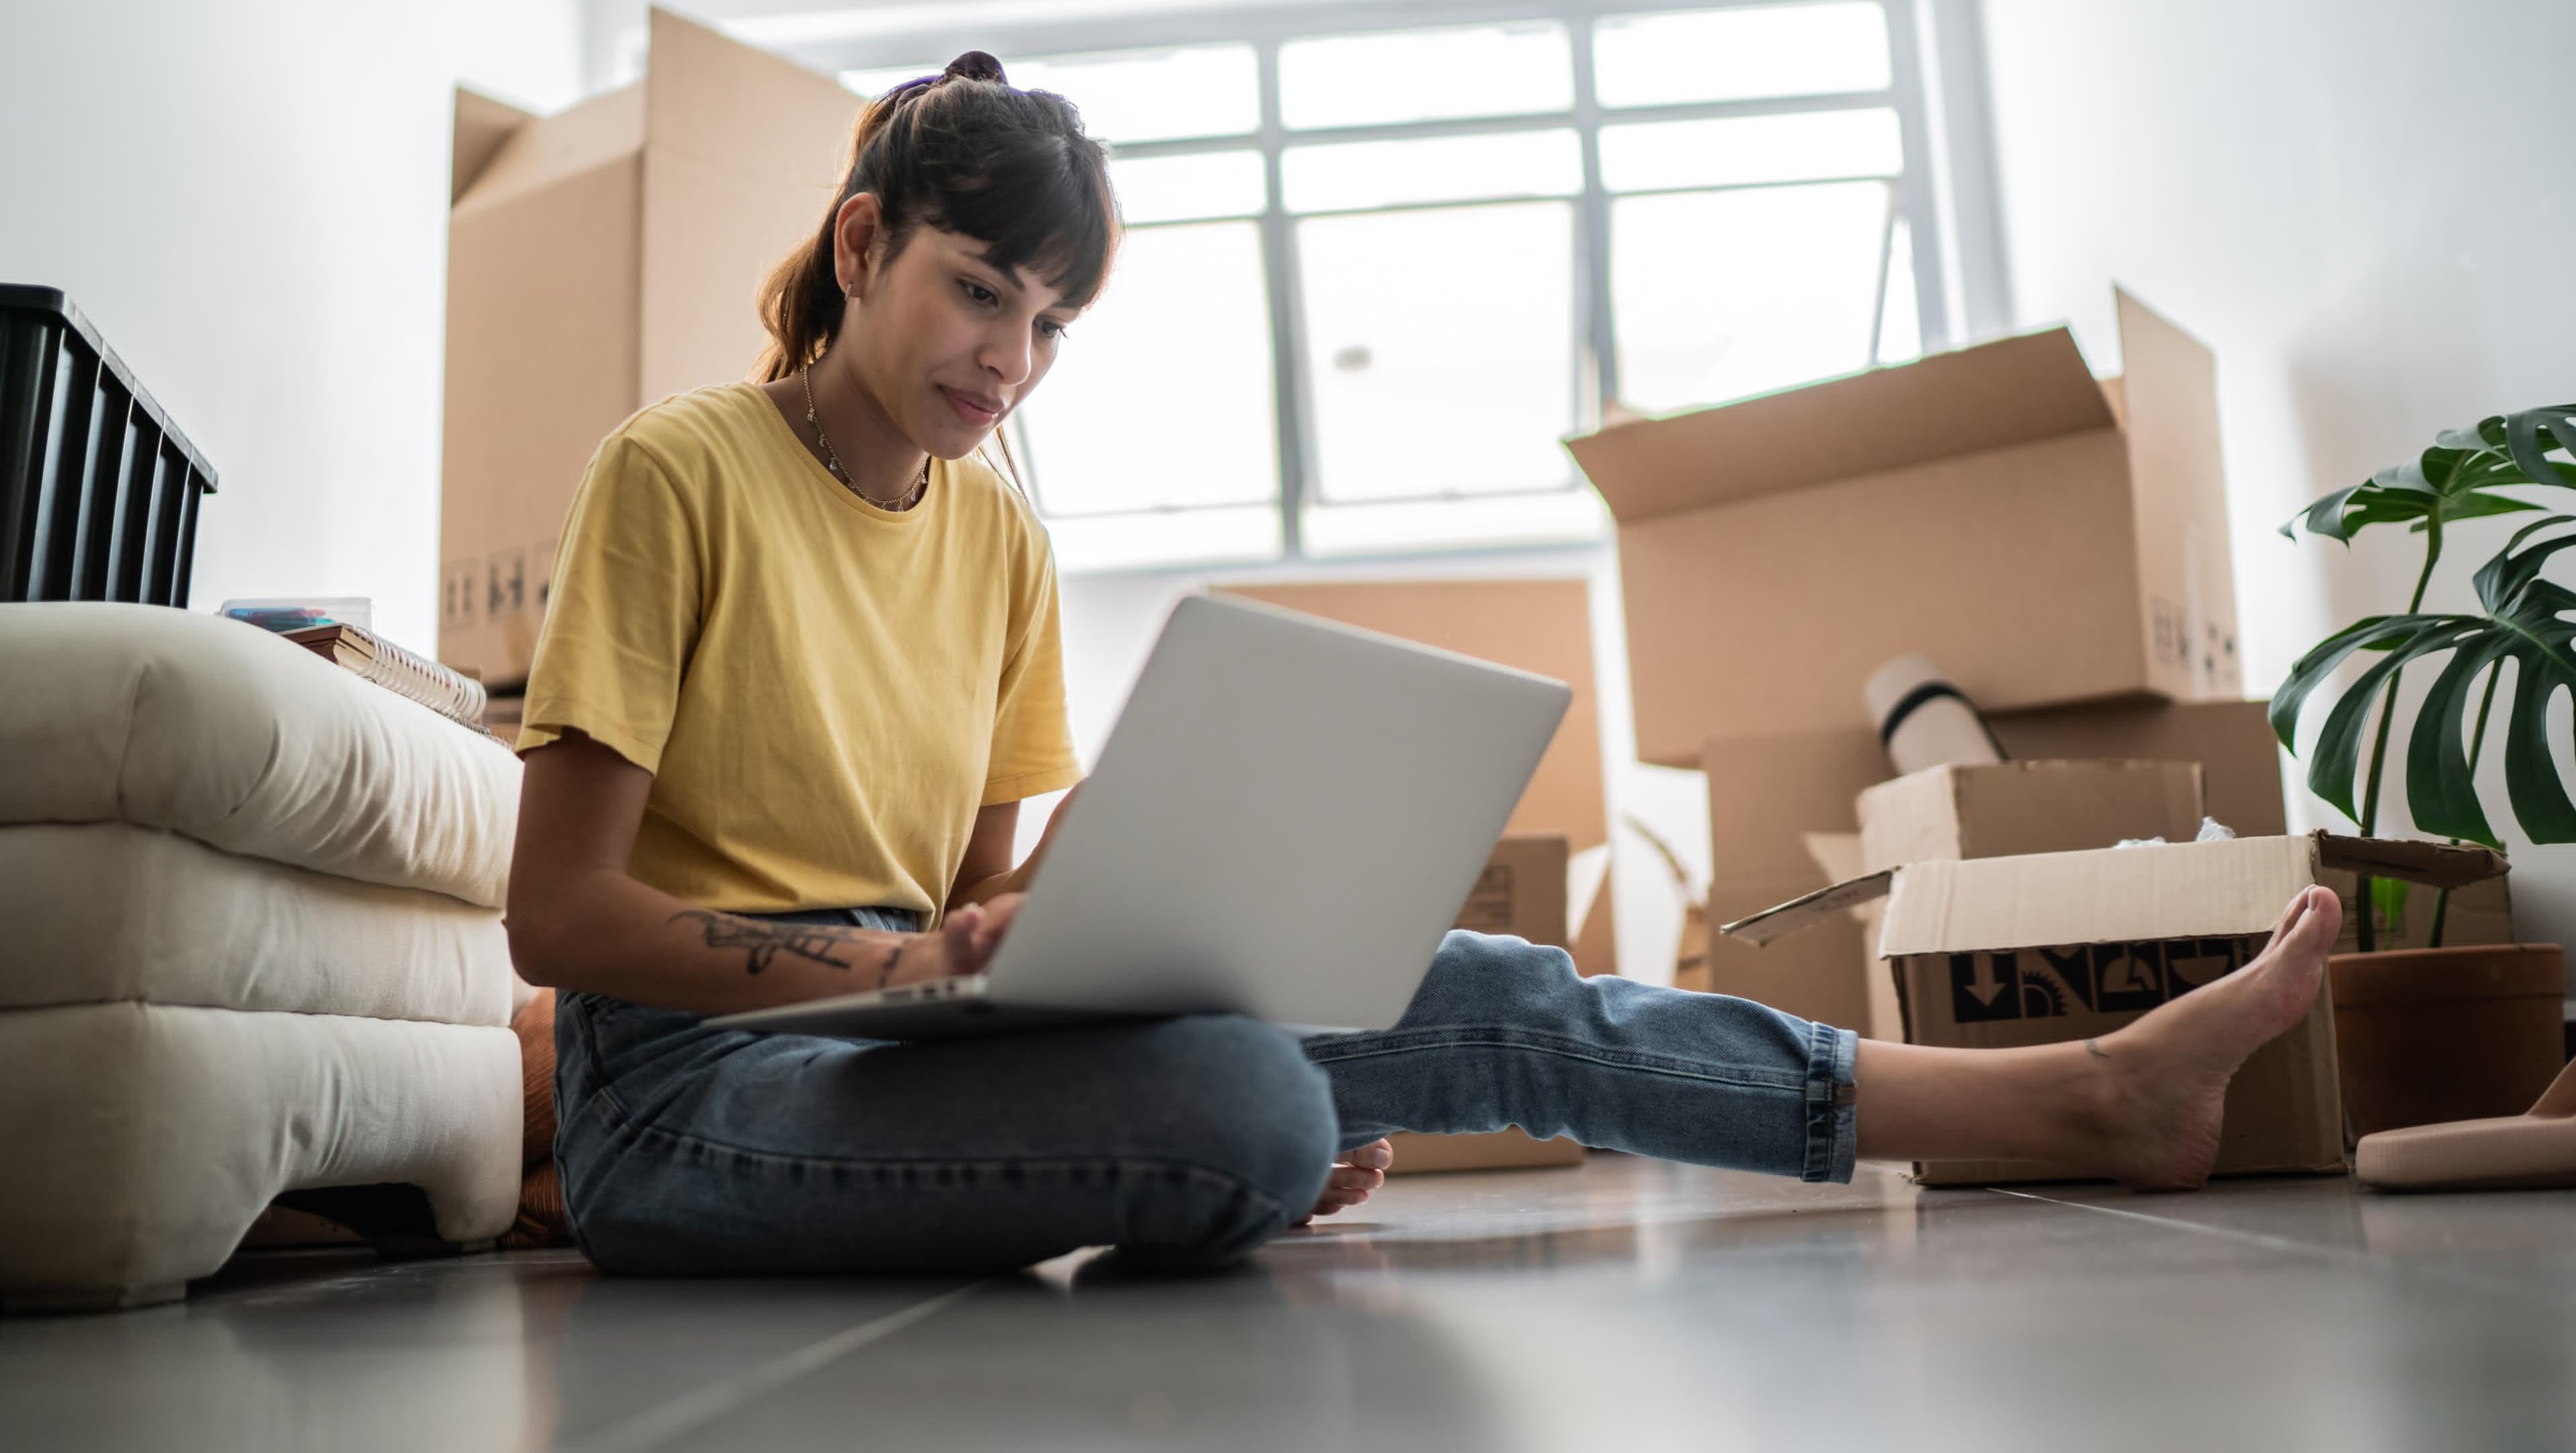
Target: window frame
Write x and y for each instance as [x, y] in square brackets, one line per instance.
[1932, 221]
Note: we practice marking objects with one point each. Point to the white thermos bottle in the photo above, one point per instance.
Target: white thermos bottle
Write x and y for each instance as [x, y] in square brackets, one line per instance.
[1924, 720]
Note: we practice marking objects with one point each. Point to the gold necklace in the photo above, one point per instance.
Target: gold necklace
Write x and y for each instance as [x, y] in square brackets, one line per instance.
[832, 461]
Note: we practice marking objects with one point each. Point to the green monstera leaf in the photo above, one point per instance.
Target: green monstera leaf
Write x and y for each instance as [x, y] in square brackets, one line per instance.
[2525, 625]
[2454, 479]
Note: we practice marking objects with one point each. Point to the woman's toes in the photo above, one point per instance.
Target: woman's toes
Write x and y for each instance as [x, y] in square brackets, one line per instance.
[1376, 1155]
[2290, 968]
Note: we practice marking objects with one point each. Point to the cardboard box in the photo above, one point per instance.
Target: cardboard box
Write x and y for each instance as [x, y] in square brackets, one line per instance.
[2480, 913]
[1998, 952]
[600, 260]
[1510, 1149]
[1768, 795]
[1764, 797]
[2009, 809]
[1989, 508]
[2017, 808]
[1539, 625]
[2239, 757]
[1521, 892]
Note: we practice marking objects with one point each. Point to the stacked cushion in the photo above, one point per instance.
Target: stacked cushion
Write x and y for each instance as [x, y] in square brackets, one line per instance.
[107, 911]
[255, 945]
[248, 743]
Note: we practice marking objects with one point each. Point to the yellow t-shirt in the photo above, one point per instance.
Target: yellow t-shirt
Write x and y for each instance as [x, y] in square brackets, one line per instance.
[825, 691]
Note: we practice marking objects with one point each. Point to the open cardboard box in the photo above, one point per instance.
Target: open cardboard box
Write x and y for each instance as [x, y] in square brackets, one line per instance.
[1997, 952]
[599, 260]
[1770, 798]
[2047, 538]
[2010, 809]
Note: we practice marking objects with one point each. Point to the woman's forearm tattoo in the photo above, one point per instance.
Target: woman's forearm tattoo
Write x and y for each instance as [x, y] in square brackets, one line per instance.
[823, 943]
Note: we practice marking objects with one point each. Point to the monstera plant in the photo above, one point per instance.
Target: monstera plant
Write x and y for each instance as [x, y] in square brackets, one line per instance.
[2523, 620]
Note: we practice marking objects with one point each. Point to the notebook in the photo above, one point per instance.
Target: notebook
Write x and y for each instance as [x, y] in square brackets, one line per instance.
[404, 673]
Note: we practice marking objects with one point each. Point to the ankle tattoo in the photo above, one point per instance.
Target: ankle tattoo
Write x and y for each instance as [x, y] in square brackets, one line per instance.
[2094, 1048]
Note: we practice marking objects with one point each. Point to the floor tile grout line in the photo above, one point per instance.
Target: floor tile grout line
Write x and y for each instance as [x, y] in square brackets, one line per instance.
[657, 1425]
[2456, 1280]
[2258, 1238]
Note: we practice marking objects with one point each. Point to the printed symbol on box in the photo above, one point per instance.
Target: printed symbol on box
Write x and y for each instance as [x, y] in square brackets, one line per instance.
[456, 593]
[1984, 988]
[506, 584]
[2190, 963]
[2129, 975]
[2057, 982]
[2169, 631]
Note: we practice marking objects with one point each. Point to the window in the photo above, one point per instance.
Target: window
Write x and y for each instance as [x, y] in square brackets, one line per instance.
[1373, 278]
[1160, 402]
[1424, 75]
[1440, 363]
[1742, 53]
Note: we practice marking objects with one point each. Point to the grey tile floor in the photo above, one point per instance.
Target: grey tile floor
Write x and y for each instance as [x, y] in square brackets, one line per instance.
[1627, 1304]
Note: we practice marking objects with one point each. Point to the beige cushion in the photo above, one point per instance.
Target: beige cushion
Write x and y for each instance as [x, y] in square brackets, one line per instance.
[105, 911]
[248, 743]
[145, 1138]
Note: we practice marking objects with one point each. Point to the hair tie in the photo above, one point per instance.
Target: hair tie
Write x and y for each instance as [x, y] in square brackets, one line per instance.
[975, 65]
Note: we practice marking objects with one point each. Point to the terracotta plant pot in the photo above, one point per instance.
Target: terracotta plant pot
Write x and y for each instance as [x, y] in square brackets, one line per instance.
[2427, 1035]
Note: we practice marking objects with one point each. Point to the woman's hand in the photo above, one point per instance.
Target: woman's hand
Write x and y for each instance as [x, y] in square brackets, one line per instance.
[1355, 1174]
[962, 944]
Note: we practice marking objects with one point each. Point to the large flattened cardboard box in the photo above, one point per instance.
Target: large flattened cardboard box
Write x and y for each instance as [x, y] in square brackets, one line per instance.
[1521, 892]
[600, 260]
[2047, 538]
[2002, 952]
[1769, 796]
[1541, 625]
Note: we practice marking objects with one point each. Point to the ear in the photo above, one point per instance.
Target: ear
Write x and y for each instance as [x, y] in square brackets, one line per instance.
[856, 233]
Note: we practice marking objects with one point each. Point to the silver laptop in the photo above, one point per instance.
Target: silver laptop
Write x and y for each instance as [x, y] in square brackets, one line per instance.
[1285, 820]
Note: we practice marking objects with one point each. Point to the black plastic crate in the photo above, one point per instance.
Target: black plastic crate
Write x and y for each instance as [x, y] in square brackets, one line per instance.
[98, 491]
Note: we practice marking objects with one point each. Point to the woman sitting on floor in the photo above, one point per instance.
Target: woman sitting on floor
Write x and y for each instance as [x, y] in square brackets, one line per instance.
[799, 669]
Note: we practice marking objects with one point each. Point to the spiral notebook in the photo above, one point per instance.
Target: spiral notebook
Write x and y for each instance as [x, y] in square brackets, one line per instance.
[405, 673]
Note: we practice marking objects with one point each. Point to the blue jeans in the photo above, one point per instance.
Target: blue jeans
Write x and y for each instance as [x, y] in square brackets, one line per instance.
[1185, 1141]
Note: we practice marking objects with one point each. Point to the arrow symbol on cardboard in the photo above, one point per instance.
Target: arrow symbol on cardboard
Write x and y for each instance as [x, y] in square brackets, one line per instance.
[1984, 985]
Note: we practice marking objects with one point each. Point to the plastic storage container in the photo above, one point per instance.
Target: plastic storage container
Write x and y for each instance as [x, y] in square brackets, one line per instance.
[98, 491]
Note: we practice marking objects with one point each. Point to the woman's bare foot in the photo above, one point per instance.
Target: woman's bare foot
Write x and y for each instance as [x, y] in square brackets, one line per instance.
[1355, 1174]
[2161, 1082]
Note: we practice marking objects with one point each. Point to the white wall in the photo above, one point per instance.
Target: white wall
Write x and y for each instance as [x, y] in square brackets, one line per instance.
[250, 201]
[2364, 206]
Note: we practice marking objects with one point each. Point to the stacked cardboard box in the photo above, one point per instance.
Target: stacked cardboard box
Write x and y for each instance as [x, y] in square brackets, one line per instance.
[1769, 798]
[2047, 538]
[2057, 543]
[2006, 951]
[598, 261]
[1770, 801]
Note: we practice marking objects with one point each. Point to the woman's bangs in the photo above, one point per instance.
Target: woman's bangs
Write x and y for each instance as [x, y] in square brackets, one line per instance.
[1047, 214]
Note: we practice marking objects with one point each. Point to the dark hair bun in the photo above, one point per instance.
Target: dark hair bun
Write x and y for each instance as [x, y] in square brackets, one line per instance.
[975, 65]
